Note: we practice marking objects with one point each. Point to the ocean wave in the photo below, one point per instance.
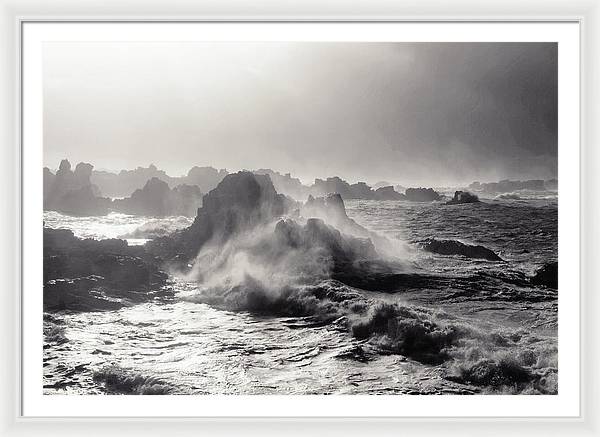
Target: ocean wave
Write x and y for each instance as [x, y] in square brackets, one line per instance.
[118, 380]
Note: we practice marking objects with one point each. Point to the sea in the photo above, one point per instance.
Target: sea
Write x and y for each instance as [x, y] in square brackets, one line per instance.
[505, 330]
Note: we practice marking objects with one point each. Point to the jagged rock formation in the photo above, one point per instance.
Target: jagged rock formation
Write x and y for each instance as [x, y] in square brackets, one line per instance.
[206, 178]
[388, 193]
[157, 199]
[286, 184]
[71, 192]
[126, 182]
[336, 249]
[547, 275]
[239, 203]
[422, 195]
[91, 275]
[332, 210]
[452, 247]
[463, 197]
[507, 186]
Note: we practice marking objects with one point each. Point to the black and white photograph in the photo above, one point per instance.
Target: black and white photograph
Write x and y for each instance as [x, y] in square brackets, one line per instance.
[300, 218]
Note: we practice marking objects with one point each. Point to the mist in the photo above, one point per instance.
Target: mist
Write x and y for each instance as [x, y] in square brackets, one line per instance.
[409, 113]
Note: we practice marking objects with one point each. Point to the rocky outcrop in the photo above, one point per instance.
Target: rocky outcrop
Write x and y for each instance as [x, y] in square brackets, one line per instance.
[126, 182]
[338, 249]
[241, 202]
[332, 210]
[91, 275]
[388, 193]
[463, 197]
[71, 192]
[507, 186]
[422, 195]
[286, 184]
[453, 247]
[158, 200]
[206, 178]
[547, 275]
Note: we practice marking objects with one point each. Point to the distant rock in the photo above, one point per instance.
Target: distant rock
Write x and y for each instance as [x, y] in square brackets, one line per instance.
[126, 182]
[71, 192]
[91, 275]
[206, 178]
[453, 247]
[463, 197]
[286, 184]
[507, 186]
[388, 193]
[422, 195]
[157, 199]
[547, 275]
[551, 185]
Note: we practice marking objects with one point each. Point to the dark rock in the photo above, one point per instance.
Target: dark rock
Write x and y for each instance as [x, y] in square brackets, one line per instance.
[332, 210]
[452, 247]
[87, 275]
[463, 197]
[547, 275]
[388, 193]
[422, 195]
[239, 203]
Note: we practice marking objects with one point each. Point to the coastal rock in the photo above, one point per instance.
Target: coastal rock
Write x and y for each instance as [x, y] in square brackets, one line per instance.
[422, 195]
[463, 197]
[547, 275]
[388, 193]
[338, 248]
[332, 210]
[453, 247]
[71, 192]
[239, 203]
[157, 199]
[507, 186]
[89, 275]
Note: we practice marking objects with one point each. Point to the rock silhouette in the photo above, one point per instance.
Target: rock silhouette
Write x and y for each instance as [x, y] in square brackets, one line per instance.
[157, 199]
[422, 195]
[463, 197]
[71, 192]
[453, 247]
[547, 275]
[92, 275]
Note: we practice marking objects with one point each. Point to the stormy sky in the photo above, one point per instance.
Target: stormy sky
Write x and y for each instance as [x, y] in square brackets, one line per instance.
[409, 113]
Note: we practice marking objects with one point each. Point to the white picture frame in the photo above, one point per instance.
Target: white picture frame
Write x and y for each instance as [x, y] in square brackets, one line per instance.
[18, 13]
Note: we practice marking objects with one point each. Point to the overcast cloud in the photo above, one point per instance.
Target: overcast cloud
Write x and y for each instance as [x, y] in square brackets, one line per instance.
[410, 113]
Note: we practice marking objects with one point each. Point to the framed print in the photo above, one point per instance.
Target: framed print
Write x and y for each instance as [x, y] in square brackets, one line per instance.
[301, 219]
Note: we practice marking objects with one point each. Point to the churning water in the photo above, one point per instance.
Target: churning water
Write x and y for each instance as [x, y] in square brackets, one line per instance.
[495, 335]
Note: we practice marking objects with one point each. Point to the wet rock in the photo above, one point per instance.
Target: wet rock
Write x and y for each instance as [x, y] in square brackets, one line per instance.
[547, 275]
[90, 275]
[453, 247]
[340, 248]
[239, 203]
[463, 197]
[422, 194]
